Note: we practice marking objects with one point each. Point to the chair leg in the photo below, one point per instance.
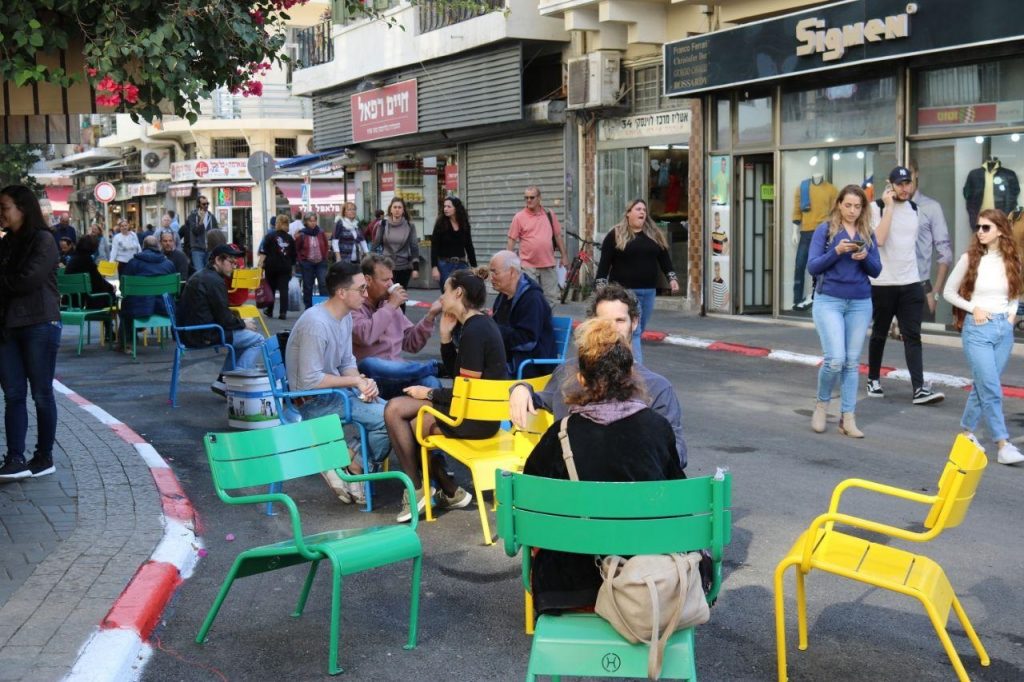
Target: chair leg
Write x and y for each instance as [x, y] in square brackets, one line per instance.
[135, 340]
[528, 611]
[366, 465]
[82, 331]
[174, 376]
[332, 663]
[801, 610]
[414, 602]
[306, 586]
[266, 332]
[483, 515]
[780, 619]
[224, 588]
[271, 489]
[426, 484]
[940, 629]
[969, 629]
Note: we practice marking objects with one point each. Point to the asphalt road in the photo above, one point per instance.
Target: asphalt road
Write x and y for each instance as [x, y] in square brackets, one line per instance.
[748, 414]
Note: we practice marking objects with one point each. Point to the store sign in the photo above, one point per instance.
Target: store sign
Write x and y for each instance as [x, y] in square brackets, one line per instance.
[451, 177]
[972, 115]
[387, 182]
[830, 37]
[664, 124]
[385, 112]
[210, 169]
[142, 189]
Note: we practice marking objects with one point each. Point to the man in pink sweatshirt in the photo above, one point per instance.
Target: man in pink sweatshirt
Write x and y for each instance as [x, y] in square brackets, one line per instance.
[381, 331]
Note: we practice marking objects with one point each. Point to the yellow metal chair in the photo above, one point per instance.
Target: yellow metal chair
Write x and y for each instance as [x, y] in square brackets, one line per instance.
[822, 547]
[485, 400]
[248, 278]
[107, 268]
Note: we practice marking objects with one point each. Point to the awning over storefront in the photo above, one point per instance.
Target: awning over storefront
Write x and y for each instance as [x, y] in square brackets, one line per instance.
[181, 189]
[58, 196]
[322, 196]
[308, 162]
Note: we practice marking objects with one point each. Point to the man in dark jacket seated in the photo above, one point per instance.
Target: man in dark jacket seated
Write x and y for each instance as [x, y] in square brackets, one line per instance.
[147, 263]
[172, 253]
[523, 316]
[204, 300]
[80, 261]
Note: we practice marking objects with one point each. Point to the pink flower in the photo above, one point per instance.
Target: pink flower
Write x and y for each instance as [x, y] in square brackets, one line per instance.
[91, 71]
[131, 93]
[108, 100]
[108, 84]
[254, 88]
[257, 16]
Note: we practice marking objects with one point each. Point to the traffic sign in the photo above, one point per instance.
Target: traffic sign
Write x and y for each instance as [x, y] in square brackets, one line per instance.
[261, 166]
[104, 192]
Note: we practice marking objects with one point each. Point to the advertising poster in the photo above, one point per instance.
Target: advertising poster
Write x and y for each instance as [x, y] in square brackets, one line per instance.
[720, 191]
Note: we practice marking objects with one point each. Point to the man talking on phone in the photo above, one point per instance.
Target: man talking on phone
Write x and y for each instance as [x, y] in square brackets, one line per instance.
[898, 290]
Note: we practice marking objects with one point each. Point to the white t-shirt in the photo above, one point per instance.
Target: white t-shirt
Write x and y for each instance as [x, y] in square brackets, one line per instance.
[899, 254]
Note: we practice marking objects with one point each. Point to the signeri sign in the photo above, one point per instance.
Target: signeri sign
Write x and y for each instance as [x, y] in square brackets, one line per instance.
[815, 36]
[385, 112]
[831, 37]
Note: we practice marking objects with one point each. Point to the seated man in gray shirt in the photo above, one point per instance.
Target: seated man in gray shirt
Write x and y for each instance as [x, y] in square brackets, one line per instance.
[319, 356]
[618, 305]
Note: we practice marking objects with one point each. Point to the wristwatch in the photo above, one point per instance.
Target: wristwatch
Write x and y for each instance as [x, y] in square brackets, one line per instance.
[430, 395]
[938, 296]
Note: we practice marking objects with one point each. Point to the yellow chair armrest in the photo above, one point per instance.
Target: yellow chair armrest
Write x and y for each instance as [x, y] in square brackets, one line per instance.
[880, 488]
[422, 438]
[810, 538]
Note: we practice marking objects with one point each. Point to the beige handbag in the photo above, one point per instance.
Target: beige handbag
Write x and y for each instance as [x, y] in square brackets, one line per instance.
[647, 597]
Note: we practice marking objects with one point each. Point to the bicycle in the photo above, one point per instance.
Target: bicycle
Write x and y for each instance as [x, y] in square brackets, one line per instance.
[574, 276]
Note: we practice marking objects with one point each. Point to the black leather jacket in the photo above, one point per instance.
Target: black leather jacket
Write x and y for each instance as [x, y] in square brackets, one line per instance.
[204, 300]
[28, 280]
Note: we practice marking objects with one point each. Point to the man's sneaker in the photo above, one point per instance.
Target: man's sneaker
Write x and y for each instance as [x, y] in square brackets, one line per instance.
[355, 490]
[875, 389]
[421, 503]
[1009, 454]
[12, 470]
[337, 486]
[461, 498]
[974, 439]
[926, 396]
[219, 387]
[41, 466]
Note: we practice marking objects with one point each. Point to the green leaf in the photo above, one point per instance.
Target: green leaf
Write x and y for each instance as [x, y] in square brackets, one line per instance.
[34, 25]
[36, 40]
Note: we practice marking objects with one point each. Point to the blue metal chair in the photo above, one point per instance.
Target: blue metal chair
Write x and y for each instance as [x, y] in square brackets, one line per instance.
[180, 348]
[563, 335]
[273, 360]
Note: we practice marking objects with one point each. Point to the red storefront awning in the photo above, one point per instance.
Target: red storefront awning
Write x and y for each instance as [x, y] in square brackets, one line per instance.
[324, 195]
[58, 196]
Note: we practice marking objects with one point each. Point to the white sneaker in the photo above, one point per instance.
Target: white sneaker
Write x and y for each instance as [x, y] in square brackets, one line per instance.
[337, 486]
[356, 491]
[1009, 454]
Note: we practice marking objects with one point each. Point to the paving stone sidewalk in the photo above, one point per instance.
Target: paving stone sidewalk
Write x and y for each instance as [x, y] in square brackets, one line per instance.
[69, 544]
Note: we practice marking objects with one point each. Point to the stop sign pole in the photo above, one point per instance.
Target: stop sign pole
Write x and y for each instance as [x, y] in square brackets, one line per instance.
[261, 167]
[105, 193]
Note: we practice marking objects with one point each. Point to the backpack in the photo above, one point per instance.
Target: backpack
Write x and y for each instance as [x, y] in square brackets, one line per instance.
[881, 206]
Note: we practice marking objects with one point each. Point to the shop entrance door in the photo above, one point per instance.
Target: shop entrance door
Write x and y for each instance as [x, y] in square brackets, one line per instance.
[756, 228]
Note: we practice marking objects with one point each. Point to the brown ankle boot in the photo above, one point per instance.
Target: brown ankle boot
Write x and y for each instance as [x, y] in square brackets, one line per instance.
[848, 426]
[818, 418]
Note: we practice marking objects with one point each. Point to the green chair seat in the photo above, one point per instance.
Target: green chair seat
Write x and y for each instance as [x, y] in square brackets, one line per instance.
[357, 549]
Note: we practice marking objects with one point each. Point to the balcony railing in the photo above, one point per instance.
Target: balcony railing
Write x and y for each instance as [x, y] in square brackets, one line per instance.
[276, 102]
[435, 15]
[315, 45]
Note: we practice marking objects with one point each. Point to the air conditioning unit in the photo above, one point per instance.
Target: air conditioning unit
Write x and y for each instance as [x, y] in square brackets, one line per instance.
[156, 160]
[594, 80]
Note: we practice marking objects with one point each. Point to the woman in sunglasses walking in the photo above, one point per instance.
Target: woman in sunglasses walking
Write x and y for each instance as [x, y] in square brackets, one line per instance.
[985, 287]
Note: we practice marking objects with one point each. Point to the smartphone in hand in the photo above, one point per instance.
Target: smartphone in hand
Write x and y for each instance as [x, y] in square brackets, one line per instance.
[861, 245]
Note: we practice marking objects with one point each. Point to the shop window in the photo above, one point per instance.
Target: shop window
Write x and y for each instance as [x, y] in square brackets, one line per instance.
[826, 171]
[723, 124]
[230, 148]
[647, 91]
[961, 98]
[849, 111]
[620, 179]
[754, 120]
[285, 147]
[953, 173]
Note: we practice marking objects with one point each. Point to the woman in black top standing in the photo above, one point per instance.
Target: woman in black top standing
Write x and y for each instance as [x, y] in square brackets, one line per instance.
[277, 258]
[479, 353]
[451, 245]
[614, 436]
[29, 330]
[632, 253]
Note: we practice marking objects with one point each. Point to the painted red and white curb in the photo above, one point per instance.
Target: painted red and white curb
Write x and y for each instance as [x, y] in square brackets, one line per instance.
[118, 649]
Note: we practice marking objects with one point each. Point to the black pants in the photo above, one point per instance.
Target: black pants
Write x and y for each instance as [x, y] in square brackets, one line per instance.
[278, 281]
[906, 303]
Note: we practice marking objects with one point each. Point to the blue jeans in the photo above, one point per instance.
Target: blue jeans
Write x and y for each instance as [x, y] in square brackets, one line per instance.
[248, 348]
[803, 250]
[28, 356]
[312, 272]
[841, 324]
[198, 259]
[446, 268]
[645, 297]
[394, 375]
[370, 415]
[987, 348]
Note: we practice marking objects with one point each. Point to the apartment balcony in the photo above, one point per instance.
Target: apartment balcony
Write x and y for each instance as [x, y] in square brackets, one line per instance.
[614, 24]
[421, 33]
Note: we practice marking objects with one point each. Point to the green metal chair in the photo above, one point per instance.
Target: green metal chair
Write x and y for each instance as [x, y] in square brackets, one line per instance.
[75, 293]
[257, 458]
[589, 517]
[135, 285]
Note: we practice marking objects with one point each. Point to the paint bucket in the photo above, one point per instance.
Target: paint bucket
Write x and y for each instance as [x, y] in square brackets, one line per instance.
[250, 401]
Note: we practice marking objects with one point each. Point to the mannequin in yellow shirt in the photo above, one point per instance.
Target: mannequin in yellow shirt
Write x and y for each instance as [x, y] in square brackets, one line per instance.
[812, 203]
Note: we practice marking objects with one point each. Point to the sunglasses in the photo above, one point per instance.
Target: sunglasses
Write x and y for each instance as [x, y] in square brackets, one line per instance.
[982, 227]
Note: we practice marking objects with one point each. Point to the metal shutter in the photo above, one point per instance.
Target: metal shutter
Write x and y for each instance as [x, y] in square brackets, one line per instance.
[497, 173]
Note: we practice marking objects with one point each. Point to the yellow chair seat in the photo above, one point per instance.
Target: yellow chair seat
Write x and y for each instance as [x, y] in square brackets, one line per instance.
[249, 311]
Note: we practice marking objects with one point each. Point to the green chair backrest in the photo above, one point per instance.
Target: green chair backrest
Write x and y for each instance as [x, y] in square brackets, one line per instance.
[486, 399]
[957, 484]
[593, 517]
[137, 285]
[256, 458]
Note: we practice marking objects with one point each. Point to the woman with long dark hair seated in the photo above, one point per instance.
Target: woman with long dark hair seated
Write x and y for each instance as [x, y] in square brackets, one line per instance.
[614, 436]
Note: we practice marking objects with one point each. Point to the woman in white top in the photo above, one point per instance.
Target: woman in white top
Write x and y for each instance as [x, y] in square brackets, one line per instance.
[124, 245]
[985, 284]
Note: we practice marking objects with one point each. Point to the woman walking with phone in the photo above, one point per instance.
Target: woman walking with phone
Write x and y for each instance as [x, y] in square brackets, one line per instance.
[986, 285]
[843, 255]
